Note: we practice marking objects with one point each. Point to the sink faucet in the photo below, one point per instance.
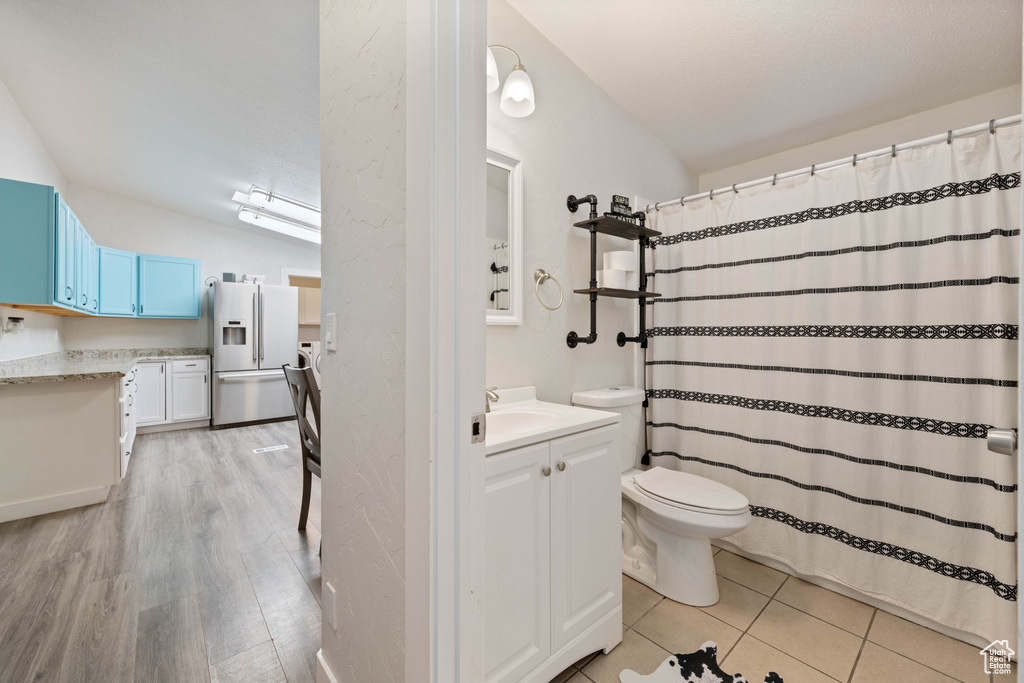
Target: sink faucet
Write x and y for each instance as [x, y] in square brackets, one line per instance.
[492, 397]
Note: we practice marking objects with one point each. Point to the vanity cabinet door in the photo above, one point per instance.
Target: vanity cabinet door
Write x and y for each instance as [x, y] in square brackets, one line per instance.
[517, 553]
[586, 512]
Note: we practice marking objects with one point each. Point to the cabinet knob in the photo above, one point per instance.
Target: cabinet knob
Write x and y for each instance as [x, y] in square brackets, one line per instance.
[561, 467]
[546, 471]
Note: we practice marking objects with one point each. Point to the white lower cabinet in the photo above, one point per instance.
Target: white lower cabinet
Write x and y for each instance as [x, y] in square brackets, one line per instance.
[152, 396]
[190, 396]
[128, 409]
[552, 589]
[173, 391]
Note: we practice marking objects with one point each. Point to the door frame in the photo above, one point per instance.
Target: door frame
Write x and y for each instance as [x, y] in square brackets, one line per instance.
[446, 125]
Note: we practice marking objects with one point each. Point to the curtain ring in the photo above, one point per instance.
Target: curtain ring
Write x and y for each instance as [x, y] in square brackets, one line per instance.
[711, 195]
[682, 201]
[812, 169]
[774, 179]
[734, 188]
[894, 150]
[656, 209]
[539, 276]
[854, 159]
[949, 137]
[992, 126]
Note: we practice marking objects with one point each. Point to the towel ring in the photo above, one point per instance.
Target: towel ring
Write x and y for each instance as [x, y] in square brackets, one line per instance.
[539, 276]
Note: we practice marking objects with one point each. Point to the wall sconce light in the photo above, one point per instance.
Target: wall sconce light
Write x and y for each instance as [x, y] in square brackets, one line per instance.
[517, 98]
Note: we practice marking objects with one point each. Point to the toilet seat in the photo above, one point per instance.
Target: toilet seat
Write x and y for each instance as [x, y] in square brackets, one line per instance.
[690, 492]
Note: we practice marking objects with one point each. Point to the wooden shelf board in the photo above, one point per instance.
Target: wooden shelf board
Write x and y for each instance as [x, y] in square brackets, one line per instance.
[613, 226]
[617, 293]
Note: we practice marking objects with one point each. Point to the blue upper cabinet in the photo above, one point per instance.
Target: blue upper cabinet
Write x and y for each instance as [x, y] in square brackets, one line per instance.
[168, 287]
[87, 279]
[65, 284]
[119, 280]
[49, 263]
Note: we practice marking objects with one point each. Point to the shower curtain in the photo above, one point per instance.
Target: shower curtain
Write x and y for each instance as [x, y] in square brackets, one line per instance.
[835, 347]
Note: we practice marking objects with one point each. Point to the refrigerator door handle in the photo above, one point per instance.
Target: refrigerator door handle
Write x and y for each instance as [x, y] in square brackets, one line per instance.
[261, 326]
[254, 326]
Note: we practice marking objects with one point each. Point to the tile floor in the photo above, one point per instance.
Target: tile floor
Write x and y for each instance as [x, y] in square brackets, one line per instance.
[770, 621]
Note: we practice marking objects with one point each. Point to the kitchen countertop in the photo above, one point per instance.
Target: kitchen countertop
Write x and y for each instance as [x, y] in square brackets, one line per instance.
[70, 366]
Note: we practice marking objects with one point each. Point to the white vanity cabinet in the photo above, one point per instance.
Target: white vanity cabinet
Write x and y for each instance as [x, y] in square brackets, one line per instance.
[174, 394]
[552, 584]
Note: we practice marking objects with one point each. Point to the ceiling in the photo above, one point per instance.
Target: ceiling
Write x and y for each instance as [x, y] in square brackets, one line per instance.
[723, 82]
[181, 103]
[177, 104]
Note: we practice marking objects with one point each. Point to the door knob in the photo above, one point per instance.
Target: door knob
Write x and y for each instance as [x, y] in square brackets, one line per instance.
[546, 471]
[561, 467]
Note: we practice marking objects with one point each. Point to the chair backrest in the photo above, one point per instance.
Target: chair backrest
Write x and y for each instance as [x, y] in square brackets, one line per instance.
[302, 387]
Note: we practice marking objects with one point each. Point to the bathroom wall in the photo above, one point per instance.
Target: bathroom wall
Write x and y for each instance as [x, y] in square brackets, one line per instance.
[115, 221]
[24, 157]
[993, 105]
[577, 141]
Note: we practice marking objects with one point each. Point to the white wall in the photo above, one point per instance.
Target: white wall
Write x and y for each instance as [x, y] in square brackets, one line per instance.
[23, 157]
[363, 190]
[577, 141]
[122, 223]
[993, 105]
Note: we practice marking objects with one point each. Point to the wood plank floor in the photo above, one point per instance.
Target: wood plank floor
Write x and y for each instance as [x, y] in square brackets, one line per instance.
[192, 570]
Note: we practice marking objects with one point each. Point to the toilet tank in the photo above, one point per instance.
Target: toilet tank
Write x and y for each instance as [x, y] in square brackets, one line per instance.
[627, 402]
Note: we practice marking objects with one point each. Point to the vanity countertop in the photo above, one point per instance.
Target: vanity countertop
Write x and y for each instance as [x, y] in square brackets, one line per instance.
[70, 366]
[519, 419]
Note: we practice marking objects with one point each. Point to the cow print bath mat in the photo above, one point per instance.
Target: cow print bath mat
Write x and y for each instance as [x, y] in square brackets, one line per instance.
[697, 667]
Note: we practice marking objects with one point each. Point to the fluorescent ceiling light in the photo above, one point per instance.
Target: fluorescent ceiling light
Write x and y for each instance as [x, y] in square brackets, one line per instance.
[279, 224]
[286, 207]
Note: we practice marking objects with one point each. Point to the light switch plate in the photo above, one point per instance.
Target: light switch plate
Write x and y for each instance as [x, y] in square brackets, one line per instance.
[331, 335]
[329, 595]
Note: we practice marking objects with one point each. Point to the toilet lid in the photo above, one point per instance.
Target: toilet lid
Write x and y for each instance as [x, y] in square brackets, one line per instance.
[681, 488]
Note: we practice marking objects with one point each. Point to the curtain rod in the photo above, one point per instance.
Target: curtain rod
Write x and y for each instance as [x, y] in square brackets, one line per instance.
[814, 168]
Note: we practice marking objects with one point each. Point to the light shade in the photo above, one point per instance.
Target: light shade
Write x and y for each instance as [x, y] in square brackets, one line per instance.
[517, 96]
[492, 73]
[282, 206]
[278, 224]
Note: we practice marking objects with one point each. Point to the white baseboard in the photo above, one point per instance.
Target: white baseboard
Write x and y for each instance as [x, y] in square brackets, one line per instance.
[172, 426]
[42, 506]
[323, 672]
[836, 587]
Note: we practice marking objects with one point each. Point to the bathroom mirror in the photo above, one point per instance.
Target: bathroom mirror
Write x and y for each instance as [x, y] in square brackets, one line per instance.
[504, 250]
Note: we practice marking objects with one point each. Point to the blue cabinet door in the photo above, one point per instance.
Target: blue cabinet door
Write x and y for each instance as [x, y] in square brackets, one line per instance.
[64, 280]
[168, 287]
[119, 282]
[87, 281]
[94, 277]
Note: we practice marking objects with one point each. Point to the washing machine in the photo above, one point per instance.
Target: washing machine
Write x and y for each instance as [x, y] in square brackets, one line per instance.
[316, 362]
[309, 357]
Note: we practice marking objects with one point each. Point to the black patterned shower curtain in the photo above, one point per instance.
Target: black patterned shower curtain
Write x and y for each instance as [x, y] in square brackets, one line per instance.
[835, 347]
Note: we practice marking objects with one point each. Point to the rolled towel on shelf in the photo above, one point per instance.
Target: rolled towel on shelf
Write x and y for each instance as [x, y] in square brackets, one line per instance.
[632, 280]
[620, 260]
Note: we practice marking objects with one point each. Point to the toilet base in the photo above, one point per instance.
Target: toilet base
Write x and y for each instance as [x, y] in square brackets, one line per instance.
[685, 572]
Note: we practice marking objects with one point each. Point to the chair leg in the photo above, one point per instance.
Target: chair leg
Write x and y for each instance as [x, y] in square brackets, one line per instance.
[307, 484]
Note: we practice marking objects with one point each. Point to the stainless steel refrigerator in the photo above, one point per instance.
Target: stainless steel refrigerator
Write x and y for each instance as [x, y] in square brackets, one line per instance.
[255, 332]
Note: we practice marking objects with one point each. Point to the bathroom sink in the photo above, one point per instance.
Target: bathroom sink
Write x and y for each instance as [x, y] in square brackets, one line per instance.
[517, 419]
[514, 421]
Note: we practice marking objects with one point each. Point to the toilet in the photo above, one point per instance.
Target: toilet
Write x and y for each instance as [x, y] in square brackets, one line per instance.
[668, 517]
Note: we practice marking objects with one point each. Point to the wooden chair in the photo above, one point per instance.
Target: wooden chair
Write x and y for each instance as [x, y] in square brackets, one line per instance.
[304, 391]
